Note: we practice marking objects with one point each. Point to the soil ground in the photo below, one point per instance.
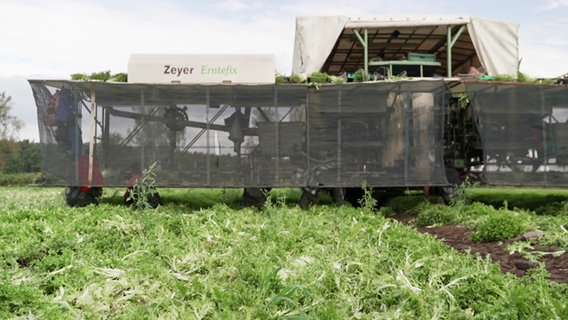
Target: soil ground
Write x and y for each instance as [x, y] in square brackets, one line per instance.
[457, 237]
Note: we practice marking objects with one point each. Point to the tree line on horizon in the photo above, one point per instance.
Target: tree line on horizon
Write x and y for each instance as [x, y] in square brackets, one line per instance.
[15, 156]
[19, 156]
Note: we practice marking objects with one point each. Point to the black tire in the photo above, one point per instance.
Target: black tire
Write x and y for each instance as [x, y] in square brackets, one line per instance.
[71, 196]
[153, 198]
[254, 197]
[453, 176]
[337, 195]
[449, 192]
[76, 198]
[353, 196]
[446, 193]
[307, 199]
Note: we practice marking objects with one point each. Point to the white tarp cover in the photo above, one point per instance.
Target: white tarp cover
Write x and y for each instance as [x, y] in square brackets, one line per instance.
[495, 42]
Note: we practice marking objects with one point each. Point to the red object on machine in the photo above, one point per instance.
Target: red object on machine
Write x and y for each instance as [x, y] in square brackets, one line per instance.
[98, 179]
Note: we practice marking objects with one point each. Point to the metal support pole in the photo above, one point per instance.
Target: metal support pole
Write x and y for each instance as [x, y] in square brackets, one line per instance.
[92, 128]
[143, 126]
[365, 43]
[407, 120]
[106, 135]
[276, 135]
[544, 140]
[450, 44]
[449, 48]
[308, 139]
[207, 135]
[339, 124]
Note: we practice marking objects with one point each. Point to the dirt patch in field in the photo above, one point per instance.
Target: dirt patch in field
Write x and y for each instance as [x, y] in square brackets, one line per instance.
[456, 237]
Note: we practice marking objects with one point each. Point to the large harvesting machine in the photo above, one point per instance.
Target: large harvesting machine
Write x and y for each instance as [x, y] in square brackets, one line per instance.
[415, 103]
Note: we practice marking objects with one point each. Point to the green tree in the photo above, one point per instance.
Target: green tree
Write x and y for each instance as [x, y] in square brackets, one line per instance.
[24, 156]
[9, 149]
[9, 125]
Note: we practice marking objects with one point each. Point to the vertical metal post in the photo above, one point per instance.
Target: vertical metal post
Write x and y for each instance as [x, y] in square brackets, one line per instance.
[207, 133]
[142, 147]
[339, 113]
[408, 130]
[544, 139]
[450, 44]
[308, 141]
[441, 133]
[92, 134]
[449, 48]
[365, 43]
[106, 135]
[276, 134]
[366, 55]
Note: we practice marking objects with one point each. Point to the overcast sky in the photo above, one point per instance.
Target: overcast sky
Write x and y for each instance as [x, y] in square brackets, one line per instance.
[52, 39]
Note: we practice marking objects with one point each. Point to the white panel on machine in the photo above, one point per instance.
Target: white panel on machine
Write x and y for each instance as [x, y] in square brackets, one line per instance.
[202, 68]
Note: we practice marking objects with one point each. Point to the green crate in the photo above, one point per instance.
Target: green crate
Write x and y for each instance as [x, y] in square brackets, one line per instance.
[415, 56]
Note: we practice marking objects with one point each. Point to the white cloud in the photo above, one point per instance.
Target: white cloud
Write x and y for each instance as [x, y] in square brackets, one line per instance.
[232, 5]
[62, 37]
[553, 4]
[544, 61]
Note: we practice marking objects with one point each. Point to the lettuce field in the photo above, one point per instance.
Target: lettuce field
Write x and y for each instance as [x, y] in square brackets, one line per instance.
[199, 256]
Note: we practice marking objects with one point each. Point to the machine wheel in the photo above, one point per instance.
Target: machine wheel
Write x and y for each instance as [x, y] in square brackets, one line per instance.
[337, 195]
[254, 197]
[307, 199]
[153, 198]
[76, 198]
[448, 192]
[353, 195]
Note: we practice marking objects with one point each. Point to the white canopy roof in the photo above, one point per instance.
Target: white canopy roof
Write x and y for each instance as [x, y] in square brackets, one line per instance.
[330, 43]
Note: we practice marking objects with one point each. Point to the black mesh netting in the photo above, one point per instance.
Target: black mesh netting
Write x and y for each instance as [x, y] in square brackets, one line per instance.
[524, 132]
[384, 133]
